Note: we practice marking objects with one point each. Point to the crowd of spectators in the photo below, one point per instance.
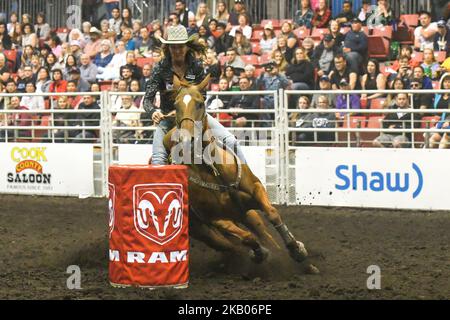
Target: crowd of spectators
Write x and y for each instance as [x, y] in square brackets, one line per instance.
[119, 54]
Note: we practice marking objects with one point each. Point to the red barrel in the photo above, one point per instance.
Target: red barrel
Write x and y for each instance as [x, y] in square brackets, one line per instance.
[148, 226]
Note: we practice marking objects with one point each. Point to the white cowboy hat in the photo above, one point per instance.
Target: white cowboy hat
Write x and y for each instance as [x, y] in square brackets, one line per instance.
[94, 30]
[176, 35]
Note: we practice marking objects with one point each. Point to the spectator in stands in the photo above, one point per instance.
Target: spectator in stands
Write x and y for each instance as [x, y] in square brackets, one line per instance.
[397, 84]
[58, 84]
[126, 17]
[335, 32]
[355, 45]
[13, 22]
[324, 54]
[127, 38]
[268, 41]
[278, 57]
[220, 102]
[270, 79]
[320, 120]
[5, 71]
[232, 79]
[346, 101]
[284, 49]
[111, 5]
[55, 44]
[126, 120]
[222, 40]
[27, 53]
[301, 71]
[70, 63]
[26, 18]
[244, 102]
[431, 67]
[88, 70]
[308, 44]
[107, 33]
[126, 74]
[303, 17]
[74, 101]
[135, 87]
[105, 55]
[343, 71]
[346, 16]
[61, 120]
[420, 101]
[112, 70]
[419, 73]
[20, 119]
[365, 11]
[75, 50]
[322, 15]
[51, 62]
[241, 44]
[239, 8]
[404, 70]
[286, 32]
[372, 80]
[93, 45]
[380, 15]
[297, 119]
[75, 75]
[192, 26]
[235, 61]
[442, 101]
[136, 72]
[222, 15]
[76, 35]
[183, 12]
[203, 33]
[324, 84]
[146, 73]
[28, 36]
[202, 17]
[424, 34]
[115, 21]
[441, 38]
[137, 25]
[5, 39]
[42, 27]
[212, 66]
[43, 80]
[144, 45]
[24, 78]
[16, 37]
[243, 26]
[398, 120]
[32, 102]
[87, 119]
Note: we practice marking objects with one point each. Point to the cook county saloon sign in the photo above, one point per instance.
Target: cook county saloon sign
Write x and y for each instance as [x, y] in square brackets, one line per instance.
[29, 172]
[46, 169]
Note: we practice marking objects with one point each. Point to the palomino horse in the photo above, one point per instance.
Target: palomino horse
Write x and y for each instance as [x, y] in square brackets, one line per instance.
[223, 191]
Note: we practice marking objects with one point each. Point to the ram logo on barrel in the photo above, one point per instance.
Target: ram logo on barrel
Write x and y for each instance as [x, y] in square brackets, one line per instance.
[158, 211]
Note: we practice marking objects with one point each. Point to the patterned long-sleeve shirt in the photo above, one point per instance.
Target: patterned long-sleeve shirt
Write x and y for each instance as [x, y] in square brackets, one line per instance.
[161, 80]
[321, 21]
[305, 19]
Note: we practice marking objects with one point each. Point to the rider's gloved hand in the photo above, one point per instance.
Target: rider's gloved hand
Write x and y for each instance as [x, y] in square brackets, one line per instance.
[157, 117]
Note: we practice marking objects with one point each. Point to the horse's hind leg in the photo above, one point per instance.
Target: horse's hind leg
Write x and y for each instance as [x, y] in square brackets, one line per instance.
[255, 222]
[248, 239]
[296, 249]
[211, 237]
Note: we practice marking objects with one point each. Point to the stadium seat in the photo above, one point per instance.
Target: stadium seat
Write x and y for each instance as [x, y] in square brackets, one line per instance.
[317, 34]
[375, 122]
[385, 31]
[355, 122]
[302, 33]
[106, 85]
[257, 35]
[62, 33]
[377, 103]
[366, 30]
[253, 59]
[404, 35]
[411, 20]
[275, 23]
[429, 122]
[143, 61]
[378, 47]
[440, 56]
[277, 33]
[435, 85]
[258, 71]
[256, 48]
[264, 58]
[417, 57]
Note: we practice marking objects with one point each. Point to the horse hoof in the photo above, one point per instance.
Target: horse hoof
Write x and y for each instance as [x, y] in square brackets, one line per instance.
[311, 269]
[298, 251]
[259, 256]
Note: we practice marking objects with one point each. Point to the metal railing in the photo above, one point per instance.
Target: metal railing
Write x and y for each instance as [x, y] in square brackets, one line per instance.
[277, 142]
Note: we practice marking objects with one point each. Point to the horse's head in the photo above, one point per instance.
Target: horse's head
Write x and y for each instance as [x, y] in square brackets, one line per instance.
[190, 108]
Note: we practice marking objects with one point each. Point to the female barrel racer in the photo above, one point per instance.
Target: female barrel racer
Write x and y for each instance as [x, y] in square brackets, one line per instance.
[179, 60]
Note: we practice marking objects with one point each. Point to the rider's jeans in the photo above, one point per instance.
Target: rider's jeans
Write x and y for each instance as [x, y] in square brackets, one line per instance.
[160, 156]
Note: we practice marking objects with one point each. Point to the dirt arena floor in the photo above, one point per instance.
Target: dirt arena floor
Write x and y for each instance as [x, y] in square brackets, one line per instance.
[40, 237]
